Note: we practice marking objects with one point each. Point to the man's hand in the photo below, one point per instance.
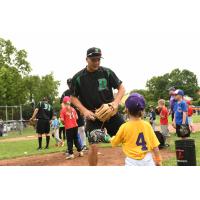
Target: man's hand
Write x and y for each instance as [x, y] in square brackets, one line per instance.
[31, 119]
[89, 115]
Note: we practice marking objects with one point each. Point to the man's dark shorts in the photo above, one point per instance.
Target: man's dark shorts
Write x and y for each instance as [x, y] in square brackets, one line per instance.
[43, 126]
[112, 125]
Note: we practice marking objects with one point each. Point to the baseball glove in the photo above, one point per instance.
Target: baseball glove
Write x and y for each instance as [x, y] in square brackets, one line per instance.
[184, 130]
[33, 123]
[98, 135]
[105, 112]
[158, 110]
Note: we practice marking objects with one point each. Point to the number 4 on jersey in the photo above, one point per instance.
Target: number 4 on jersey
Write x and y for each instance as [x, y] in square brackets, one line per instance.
[141, 142]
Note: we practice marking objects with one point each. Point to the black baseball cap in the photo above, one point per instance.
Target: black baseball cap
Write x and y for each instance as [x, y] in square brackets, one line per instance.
[94, 52]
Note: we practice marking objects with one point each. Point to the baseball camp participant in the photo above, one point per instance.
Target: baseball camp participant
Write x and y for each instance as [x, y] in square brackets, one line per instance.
[43, 113]
[164, 121]
[92, 91]
[137, 136]
[180, 122]
[68, 116]
[81, 122]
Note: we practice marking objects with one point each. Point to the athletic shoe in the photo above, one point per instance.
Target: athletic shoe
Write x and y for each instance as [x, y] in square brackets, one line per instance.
[70, 157]
[46, 148]
[81, 154]
[85, 148]
[39, 149]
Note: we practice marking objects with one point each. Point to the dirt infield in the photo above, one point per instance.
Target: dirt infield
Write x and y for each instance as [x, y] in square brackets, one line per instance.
[108, 157]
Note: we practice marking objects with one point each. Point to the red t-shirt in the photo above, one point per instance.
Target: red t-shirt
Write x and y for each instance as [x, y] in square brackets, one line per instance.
[69, 117]
[164, 113]
[190, 111]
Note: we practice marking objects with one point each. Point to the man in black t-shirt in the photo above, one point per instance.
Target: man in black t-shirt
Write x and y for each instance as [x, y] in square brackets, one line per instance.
[92, 87]
[43, 113]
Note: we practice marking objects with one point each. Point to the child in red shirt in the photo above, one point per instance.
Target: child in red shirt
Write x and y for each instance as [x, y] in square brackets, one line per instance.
[164, 120]
[69, 118]
[190, 113]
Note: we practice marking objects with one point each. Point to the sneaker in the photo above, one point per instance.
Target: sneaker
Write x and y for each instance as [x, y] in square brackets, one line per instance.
[81, 154]
[70, 157]
[46, 148]
[39, 149]
[85, 148]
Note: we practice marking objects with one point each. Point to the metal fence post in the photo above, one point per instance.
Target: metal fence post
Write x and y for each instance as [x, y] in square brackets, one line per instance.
[6, 119]
[21, 120]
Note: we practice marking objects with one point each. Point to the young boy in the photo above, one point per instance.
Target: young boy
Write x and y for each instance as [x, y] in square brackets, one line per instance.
[137, 136]
[190, 113]
[152, 118]
[55, 131]
[180, 121]
[69, 118]
[164, 121]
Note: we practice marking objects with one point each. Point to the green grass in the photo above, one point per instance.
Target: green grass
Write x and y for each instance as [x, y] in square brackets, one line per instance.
[25, 148]
[172, 161]
[16, 134]
[196, 119]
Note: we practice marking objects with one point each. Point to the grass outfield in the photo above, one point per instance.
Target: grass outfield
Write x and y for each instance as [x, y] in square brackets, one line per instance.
[28, 148]
[172, 161]
[25, 148]
[16, 134]
[196, 119]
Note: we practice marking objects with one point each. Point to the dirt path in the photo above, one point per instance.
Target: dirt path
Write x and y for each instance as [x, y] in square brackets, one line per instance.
[25, 138]
[108, 157]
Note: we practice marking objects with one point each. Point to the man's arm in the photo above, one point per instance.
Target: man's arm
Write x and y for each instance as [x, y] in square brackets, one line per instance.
[119, 95]
[86, 113]
[184, 117]
[34, 114]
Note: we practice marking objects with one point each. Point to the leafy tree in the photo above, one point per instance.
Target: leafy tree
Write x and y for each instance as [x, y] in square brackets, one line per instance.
[11, 57]
[11, 87]
[186, 80]
[39, 87]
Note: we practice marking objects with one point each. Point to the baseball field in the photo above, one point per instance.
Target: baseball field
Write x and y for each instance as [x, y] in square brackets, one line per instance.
[20, 149]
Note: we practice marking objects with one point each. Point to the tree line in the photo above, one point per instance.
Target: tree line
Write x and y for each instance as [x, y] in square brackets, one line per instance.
[17, 85]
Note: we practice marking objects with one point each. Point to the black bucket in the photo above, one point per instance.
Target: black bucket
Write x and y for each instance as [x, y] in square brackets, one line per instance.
[185, 152]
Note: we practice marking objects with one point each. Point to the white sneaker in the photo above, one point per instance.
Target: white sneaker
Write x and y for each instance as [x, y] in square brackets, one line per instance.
[70, 157]
[81, 154]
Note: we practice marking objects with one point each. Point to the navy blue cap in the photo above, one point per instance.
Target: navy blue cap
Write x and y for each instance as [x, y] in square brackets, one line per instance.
[179, 92]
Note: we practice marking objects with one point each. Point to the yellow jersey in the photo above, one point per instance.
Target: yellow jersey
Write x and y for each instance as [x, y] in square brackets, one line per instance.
[137, 138]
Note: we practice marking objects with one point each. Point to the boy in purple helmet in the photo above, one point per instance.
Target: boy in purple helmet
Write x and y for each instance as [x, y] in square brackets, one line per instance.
[137, 136]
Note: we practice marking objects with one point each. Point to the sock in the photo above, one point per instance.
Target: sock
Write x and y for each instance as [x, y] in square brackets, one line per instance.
[47, 141]
[40, 142]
